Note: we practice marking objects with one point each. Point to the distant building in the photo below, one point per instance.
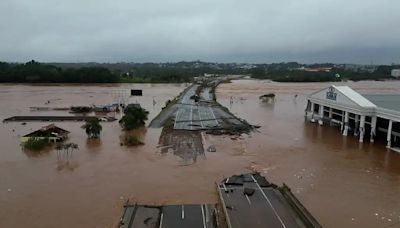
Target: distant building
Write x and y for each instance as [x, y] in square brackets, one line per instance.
[396, 73]
[51, 132]
[360, 68]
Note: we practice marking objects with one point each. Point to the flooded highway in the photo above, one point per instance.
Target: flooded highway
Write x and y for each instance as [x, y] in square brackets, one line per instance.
[341, 182]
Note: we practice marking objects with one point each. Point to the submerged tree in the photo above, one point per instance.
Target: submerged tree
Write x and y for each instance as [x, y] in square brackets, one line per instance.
[134, 117]
[65, 150]
[92, 127]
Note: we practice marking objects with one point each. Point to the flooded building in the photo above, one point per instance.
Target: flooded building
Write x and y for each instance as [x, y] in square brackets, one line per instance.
[50, 132]
[373, 116]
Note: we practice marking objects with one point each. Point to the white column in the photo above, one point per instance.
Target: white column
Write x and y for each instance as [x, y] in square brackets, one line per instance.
[373, 128]
[389, 134]
[362, 128]
[330, 113]
[356, 124]
[342, 122]
[321, 114]
[312, 111]
[346, 123]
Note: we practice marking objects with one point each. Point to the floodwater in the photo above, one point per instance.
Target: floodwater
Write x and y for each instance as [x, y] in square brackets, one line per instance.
[343, 183]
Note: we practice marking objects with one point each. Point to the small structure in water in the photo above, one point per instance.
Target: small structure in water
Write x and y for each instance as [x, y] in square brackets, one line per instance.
[106, 108]
[136, 92]
[50, 132]
[268, 97]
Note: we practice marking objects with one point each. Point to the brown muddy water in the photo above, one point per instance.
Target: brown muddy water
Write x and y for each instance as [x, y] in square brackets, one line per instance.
[343, 183]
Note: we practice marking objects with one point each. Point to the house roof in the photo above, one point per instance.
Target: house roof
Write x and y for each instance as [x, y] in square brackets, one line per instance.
[355, 96]
[46, 131]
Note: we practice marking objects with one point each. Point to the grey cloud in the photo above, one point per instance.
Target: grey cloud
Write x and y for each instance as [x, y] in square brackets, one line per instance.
[358, 31]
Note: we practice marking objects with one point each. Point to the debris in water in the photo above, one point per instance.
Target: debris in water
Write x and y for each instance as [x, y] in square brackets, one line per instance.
[212, 149]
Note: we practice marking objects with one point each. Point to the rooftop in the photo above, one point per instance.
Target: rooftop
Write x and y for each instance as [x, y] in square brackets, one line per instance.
[387, 101]
[355, 96]
[49, 130]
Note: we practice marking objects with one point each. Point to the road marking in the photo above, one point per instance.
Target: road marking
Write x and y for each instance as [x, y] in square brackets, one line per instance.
[191, 117]
[269, 202]
[247, 197]
[176, 117]
[206, 210]
[215, 118]
[183, 212]
[161, 220]
[202, 213]
[201, 121]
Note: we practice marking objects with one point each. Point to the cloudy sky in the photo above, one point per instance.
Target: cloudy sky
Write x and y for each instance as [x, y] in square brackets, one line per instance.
[341, 31]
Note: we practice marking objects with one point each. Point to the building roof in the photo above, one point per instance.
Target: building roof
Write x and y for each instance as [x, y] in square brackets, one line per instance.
[355, 96]
[47, 131]
[387, 101]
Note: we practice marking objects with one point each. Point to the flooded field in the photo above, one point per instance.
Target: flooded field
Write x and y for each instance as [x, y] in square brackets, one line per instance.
[343, 183]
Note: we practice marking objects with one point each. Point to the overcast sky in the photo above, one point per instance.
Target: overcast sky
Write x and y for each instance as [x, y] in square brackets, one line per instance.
[341, 31]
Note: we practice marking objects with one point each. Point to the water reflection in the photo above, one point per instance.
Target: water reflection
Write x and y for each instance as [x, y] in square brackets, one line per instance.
[93, 145]
[36, 154]
[66, 165]
[133, 137]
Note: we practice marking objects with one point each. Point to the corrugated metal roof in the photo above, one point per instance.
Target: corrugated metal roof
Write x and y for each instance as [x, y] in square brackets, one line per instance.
[355, 96]
[387, 101]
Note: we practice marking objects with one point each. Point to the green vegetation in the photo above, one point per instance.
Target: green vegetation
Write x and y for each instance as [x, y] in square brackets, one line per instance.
[134, 117]
[291, 72]
[36, 144]
[182, 72]
[92, 127]
[158, 76]
[34, 72]
[131, 140]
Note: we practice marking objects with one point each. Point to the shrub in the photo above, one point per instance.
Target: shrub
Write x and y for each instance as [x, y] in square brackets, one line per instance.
[134, 117]
[36, 144]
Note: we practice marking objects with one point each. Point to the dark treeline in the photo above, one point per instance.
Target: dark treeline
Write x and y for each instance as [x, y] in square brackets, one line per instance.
[290, 72]
[34, 72]
[179, 72]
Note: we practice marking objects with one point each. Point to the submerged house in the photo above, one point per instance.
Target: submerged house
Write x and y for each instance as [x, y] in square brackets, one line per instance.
[372, 116]
[107, 108]
[51, 132]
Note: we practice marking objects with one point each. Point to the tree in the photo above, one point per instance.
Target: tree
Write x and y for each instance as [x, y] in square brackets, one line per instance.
[92, 127]
[66, 149]
[134, 117]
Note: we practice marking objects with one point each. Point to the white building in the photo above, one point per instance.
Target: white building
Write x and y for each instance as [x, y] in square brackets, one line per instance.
[373, 115]
[396, 73]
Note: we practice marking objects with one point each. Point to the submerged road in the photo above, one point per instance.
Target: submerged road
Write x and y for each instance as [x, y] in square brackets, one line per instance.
[264, 207]
[205, 114]
[194, 116]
